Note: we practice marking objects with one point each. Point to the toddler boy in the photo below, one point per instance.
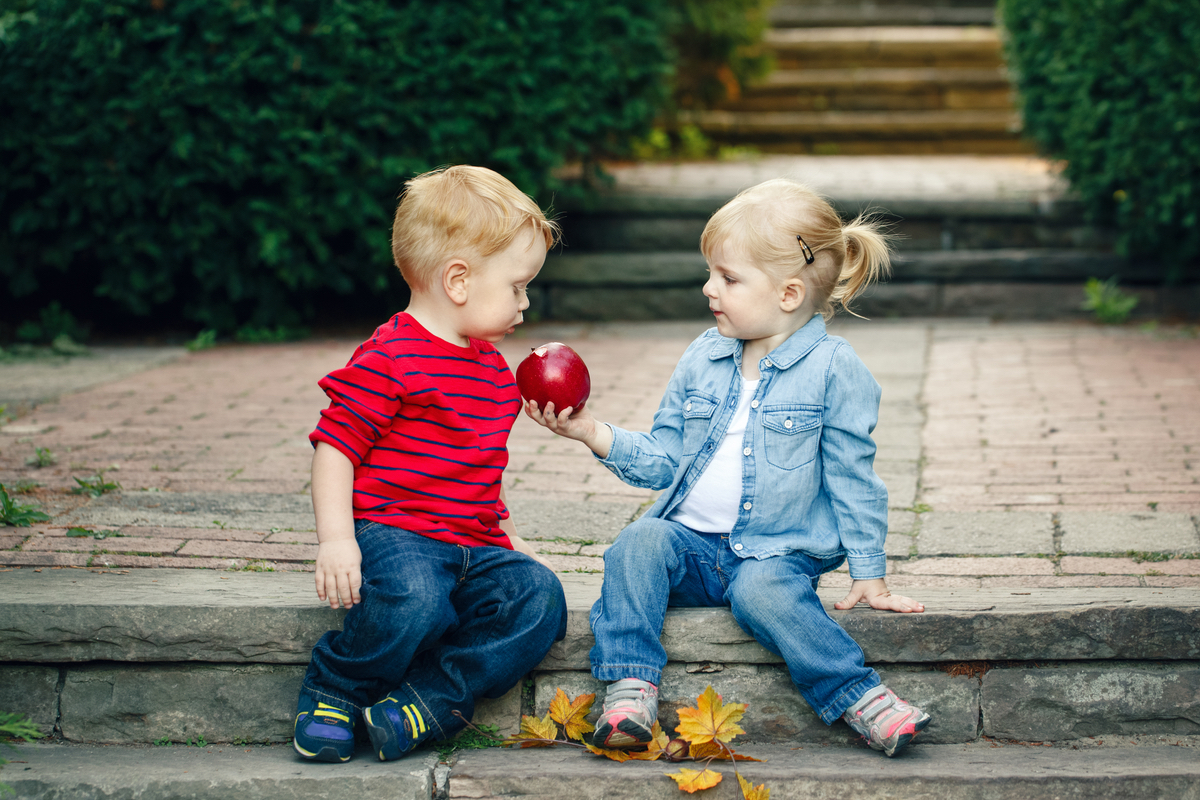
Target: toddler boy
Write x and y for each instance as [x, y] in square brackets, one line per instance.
[447, 604]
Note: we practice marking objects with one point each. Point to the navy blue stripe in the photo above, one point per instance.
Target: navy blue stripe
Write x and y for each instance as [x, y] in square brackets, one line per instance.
[454, 500]
[476, 431]
[404, 435]
[462, 377]
[385, 376]
[365, 421]
[336, 439]
[431, 475]
[497, 367]
[453, 410]
[391, 501]
[471, 464]
[473, 397]
[333, 377]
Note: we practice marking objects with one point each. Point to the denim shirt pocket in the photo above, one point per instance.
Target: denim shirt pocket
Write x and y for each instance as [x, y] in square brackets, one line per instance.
[791, 434]
[698, 409]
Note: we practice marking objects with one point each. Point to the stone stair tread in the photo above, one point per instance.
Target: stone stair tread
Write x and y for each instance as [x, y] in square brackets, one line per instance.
[812, 15]
[274, 618]
[218, 772]
[948, 772]
[868, 78]
[984, 769]
[882, 34]
[884, 124]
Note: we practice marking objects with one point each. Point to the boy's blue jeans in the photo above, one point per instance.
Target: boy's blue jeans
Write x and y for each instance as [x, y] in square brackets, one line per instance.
[439, 625]
[656, 563]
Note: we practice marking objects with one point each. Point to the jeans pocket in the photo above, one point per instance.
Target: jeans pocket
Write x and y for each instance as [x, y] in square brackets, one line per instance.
[791, 434]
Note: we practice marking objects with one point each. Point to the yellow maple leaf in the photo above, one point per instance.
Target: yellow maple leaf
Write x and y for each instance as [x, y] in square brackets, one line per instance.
[571, 714]
[693, 780]
[616, 755]
[654, 750]
[750, 792]
[534, 728]
[711, 720]
[707, 750]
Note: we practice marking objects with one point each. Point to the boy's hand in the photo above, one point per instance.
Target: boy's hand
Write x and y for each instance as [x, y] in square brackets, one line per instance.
[877, 596]
[572, 423]
[339, 577]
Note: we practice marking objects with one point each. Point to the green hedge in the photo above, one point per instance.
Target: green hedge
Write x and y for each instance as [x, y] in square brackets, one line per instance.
[1112, 87]
[230, 163]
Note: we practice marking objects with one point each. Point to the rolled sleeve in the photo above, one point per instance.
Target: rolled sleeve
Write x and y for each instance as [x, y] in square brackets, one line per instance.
[364, 398]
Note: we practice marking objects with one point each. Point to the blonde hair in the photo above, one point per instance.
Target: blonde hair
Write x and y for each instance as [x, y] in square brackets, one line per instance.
[763, 223]
[460, 212]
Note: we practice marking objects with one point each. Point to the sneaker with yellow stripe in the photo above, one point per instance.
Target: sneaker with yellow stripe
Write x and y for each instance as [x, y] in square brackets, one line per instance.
[323, 732]
[395, 726]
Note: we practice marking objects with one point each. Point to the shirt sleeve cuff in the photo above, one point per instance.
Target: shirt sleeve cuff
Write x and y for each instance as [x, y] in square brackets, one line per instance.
[342, 447]
[620, 453]
[867, 568]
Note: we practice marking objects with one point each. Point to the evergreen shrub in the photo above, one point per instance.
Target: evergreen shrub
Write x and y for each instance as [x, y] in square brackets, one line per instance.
[233, 163]
[1112, 87]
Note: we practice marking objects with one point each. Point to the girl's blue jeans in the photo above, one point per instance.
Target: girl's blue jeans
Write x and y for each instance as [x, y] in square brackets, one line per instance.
[656, 563]
[439, 625]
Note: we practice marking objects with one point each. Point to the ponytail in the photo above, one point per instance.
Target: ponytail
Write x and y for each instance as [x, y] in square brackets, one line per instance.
[868, 260]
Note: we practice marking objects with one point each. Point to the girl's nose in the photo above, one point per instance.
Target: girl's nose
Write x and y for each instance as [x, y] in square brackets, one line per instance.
[710, 290]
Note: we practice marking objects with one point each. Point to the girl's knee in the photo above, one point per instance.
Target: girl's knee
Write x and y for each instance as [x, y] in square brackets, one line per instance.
[639, 539]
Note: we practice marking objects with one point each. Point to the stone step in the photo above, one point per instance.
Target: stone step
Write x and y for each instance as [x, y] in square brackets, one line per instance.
[837, 15]
[981, 771]
[807, 129]
[175, 654]
[885, 46]
[876, 89]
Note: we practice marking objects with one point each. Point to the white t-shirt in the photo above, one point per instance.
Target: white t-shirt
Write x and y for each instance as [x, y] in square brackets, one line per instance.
[712, 504]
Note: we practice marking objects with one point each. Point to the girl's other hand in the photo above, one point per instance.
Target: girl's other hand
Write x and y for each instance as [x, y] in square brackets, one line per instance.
[875, 593]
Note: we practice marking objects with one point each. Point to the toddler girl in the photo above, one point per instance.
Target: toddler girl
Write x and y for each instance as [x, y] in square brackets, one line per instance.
[762, 442]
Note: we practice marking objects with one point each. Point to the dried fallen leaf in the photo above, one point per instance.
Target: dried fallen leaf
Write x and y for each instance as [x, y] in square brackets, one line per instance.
[750, 792]
[711, 720]
[655, 749]
[571, 714]
[534, 728]
[693, 780]
[615, 755]
[712, 750]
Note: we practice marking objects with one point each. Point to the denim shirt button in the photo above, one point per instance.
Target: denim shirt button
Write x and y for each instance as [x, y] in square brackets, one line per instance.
[746, 452]
[767, 362]
[688, 407]
[754, 404]
[737, 547]
[747, 505]
[787, 423]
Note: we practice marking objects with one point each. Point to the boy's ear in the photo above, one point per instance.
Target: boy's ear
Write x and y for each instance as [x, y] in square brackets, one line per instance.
[792, 294]
[455, 276]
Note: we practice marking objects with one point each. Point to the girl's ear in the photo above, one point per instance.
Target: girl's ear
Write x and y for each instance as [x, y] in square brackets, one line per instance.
[792, 294]
[455, 277]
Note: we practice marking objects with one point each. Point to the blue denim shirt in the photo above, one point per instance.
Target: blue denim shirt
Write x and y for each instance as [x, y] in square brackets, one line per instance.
[808, 483]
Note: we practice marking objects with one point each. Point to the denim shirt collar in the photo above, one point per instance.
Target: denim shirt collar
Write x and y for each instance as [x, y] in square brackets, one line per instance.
[796, 347]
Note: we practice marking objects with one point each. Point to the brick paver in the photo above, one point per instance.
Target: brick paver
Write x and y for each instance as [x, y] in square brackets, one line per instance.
[1096, 429]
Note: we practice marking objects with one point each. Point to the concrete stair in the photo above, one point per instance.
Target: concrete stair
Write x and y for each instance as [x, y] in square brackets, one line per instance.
[1105, 681]
[875, 79]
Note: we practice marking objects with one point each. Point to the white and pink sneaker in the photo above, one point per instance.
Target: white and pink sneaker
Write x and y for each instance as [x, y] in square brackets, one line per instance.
[630, 709]
[884, 720]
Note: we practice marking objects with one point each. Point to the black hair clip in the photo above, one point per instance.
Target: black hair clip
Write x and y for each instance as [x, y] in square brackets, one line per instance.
[806, 250]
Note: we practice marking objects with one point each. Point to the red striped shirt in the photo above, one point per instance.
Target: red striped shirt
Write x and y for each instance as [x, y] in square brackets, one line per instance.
[426, 425]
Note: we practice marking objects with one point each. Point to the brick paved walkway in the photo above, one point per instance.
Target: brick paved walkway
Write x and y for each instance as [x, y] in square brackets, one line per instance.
[1015, 454]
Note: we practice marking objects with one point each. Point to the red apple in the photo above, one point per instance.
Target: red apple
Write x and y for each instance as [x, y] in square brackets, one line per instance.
[554, 373]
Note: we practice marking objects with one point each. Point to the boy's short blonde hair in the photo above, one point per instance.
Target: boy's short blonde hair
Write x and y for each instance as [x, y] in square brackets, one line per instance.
[780, 224]
[460, 212]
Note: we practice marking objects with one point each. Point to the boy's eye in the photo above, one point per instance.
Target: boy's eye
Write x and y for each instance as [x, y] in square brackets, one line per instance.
[729, 279]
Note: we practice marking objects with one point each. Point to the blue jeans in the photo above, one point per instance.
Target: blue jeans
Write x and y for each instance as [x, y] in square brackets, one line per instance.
[656, 563]
[440, 625]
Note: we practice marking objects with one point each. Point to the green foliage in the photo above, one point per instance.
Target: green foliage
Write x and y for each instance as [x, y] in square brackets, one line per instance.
[14, 727]
[53, 323]
[42, 457]
[1110, 305]
[204, 340]
[82, 533]
[478, 737]
[1111, 86]
[718, 45]
[18, 515]
[237, 163]
[253, 334]
[95, 486]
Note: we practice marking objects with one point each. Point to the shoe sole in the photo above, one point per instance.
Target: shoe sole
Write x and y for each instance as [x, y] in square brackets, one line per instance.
[626, 734]
[905, 738]
[327, 754]
[380, 737]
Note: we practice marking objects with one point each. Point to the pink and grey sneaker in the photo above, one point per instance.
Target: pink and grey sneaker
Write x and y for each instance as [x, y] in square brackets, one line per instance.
[630, 709]
[884, 720]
